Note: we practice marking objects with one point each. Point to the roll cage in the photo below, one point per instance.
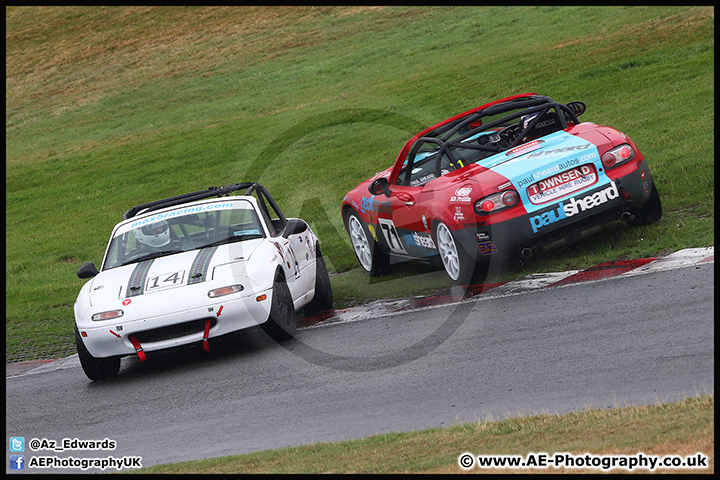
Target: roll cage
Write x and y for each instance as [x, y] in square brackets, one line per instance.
[269, 207]
[532, 115]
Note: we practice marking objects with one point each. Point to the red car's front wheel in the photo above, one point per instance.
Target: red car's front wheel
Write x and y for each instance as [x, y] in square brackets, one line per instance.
[371, 259]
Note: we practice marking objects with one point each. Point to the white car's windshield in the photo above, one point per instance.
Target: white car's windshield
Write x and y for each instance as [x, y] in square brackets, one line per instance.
[182, 229]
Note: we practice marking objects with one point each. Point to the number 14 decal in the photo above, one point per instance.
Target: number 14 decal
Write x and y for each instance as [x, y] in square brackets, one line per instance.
[166, 280]
[391, 236]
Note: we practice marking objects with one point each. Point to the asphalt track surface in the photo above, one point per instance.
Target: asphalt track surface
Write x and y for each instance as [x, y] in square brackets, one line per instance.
[620, 334]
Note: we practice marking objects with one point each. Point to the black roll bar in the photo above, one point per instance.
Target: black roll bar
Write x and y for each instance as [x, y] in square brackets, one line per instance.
[193, 196]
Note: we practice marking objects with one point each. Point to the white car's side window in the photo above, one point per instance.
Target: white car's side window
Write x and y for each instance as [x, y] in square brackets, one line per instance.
[271, 228]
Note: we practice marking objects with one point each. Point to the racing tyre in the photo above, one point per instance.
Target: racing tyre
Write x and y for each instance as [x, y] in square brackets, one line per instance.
[323, 298]
[371, 259]
[459, 266]
[282, 323]
[95, 368]
[651, 212]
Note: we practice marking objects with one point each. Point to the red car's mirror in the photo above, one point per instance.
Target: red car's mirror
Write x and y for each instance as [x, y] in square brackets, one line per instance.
[380, 186]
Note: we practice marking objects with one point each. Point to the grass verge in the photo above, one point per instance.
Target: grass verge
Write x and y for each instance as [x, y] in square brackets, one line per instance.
[682, 428]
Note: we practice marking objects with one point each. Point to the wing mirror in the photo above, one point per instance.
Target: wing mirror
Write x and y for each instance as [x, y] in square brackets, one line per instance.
[380, 186]
[577, 107]
[294, 226]
[87, 270]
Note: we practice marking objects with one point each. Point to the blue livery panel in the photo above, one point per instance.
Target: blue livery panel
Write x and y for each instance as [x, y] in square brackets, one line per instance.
[565, 165]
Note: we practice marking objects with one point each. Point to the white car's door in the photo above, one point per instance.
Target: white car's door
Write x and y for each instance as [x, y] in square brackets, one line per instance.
[301, 256]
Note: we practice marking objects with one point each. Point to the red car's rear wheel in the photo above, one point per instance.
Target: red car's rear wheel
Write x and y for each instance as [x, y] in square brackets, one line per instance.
[459, 266]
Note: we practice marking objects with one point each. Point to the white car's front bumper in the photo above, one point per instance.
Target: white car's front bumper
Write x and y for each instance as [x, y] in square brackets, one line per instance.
[176, 326]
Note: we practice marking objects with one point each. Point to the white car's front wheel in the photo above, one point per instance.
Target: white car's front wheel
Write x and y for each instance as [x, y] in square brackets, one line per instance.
[95, 368]
[282, 322]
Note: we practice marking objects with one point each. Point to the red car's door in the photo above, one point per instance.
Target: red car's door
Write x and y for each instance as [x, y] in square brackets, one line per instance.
[399, 217]
[407, 227]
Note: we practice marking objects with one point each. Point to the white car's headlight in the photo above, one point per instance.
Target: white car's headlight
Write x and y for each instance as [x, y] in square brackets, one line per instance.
[222, 291]
[107, 315]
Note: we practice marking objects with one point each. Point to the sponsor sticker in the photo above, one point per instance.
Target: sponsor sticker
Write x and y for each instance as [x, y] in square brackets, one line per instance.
[367, 204]
[459, 215]
[560, 151]
[562, 184]
[417, 239]
[486, 248]
[550, 170]
[573, 207]
[462, 195]
[384, 208]
[372, 232]
[187, 211]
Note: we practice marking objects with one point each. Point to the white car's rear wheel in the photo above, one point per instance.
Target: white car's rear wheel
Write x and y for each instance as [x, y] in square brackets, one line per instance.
[323, 299]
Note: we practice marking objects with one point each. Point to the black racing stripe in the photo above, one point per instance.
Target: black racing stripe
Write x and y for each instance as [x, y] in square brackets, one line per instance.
[136, 285]
[200, 266]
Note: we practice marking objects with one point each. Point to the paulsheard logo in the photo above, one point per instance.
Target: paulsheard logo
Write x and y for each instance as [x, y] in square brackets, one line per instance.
[573, 207]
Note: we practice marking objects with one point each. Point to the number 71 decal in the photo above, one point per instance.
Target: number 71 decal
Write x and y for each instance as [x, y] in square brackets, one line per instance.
[165, 280]
[391, 236]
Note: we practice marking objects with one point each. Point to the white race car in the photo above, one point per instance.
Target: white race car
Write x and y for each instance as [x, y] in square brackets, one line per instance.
[193, 267]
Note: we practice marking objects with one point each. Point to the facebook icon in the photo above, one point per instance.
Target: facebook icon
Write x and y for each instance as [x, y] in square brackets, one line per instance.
[17, 462]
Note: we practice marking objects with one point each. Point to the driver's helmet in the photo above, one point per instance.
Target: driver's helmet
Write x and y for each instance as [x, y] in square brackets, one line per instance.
[526, 119]
[153, 234]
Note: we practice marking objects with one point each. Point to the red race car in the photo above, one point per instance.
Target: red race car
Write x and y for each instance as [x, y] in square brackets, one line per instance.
[506, 178]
